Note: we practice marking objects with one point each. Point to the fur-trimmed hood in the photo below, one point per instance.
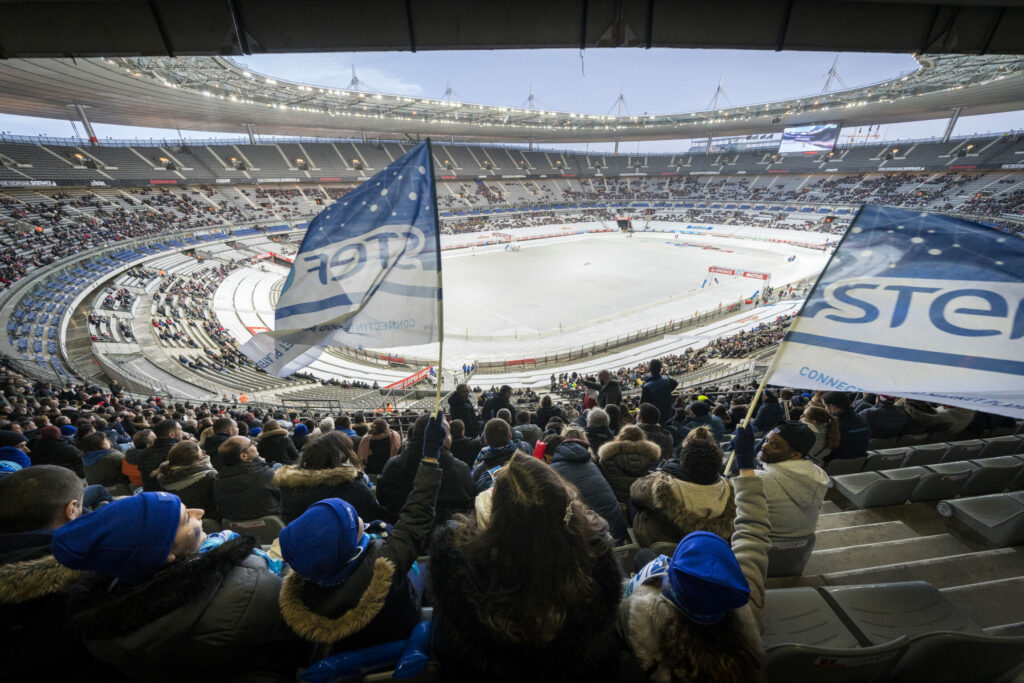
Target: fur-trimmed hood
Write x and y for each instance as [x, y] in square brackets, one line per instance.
[688, 506]
[317, 628]
[33, 579]
[632, 457]
[272, 432]
[291, 477]
[119, 613]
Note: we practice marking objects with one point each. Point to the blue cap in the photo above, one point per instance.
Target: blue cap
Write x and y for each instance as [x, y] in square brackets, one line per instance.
[12, 454]
[301, 429]
[322, 541]
[128, 539]
[704, 580]
[255, 431]
[68, 430]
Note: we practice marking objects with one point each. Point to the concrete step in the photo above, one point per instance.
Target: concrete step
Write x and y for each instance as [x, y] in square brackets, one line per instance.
[829, 507]
[884, 553]
[837, 520]
[862, 534]
[943, 572]
[990, 603]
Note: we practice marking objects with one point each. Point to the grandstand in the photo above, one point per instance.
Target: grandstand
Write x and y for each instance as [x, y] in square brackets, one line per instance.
[150, 262]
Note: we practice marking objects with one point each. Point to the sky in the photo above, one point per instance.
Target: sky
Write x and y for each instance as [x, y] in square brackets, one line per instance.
[656, 81]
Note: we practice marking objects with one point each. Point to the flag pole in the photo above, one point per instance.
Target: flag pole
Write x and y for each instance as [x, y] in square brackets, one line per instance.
[775, 358]
[440, 290]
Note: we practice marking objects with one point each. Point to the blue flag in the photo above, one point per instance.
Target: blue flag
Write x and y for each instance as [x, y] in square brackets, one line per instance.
[366, 273]
[917, 305]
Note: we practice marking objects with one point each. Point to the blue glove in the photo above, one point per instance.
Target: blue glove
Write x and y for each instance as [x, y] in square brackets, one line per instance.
[743, 446]
[433, 436]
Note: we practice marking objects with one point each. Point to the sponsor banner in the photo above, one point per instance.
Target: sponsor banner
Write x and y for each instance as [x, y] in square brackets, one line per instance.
[721, 270]
[755, 275]
[97, 183]
[223, 181]
[260, 181]
[410, 380]
[917, 305]
[330, 180]
[27, 183]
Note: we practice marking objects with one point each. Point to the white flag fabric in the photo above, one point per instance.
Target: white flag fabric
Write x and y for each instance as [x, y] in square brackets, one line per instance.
[917, 305]
[366, 273]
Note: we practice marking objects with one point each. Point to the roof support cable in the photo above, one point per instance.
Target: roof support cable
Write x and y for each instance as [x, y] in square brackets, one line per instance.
[161, 29]
[236, 20]
[992, 33]
[780, 42]
[408, 21]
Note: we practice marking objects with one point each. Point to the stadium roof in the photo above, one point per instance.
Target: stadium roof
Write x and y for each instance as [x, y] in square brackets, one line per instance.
[214, 94]
[97, 28]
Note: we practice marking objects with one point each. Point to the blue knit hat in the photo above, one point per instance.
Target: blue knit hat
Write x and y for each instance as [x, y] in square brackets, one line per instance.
[255, 431]
[301, 429]
[704, 581]
[323, 542]
[68, 430]
[128, 539]
[12, 454]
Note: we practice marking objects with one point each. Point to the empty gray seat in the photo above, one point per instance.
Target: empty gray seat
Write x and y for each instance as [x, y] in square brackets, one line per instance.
[802, 616]
[808, 664]
[928, 454]
[999, 518]
[878, 489]
[992, 475]
[963, 450]
[1018, 483]
[913, 439]
[787, 556]
[839, 466]
[944, 480]
[878, 444]
[960, 657]
[263, 529]
[1000, 445]
[885, 611]
[888, 459]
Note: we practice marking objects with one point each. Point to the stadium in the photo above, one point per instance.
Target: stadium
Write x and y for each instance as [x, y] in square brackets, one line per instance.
[133, 272]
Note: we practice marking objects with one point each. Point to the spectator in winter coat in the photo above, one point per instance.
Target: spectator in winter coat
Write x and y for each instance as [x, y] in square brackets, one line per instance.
[463, 447]
[325, 470]
[396, 481]
[350, 587]
[500, 447]
[794, 486]
[922, 417]
[274, 445]
[244, 488]
[103, 464]
[853, 429]
[166, 603]
[700, 416]
[649, 420]
[500, 400]
[34, 587]
[51, 448]
[529, 431]
[378, 447]
[626, 459]
[528, 591]
[571, 459]
[608, 389]
[697, 616]
[885, 419]
[688, 494]
[547, 411]
[597, 428]
[188, 474]
[299, 436]
[826, 433]
[768, 415]
[223, 429]
[657, 390]
[168, 433]
[141, 440]
[461, 408]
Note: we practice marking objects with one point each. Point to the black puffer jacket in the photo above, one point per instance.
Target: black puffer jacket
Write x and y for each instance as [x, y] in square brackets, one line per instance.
[193, 484]
[376, 604]
[572, 461]
[151, 459]
[213, 617]
[457, 490]
[462, 409]
[276, 446]
[246, 491]
[58, 452]
[301, 488]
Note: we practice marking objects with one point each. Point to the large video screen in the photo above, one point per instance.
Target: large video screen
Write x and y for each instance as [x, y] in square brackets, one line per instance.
[809, 139]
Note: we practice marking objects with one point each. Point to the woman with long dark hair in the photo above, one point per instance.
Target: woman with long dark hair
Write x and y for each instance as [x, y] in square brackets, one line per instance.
[528, 590]
[379, 445]
[325, 470]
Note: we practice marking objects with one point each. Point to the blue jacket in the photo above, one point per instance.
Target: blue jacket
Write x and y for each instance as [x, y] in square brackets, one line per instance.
[712, 422]
[658, 392]
[853, 437]
[768, 415]
[572, 461]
